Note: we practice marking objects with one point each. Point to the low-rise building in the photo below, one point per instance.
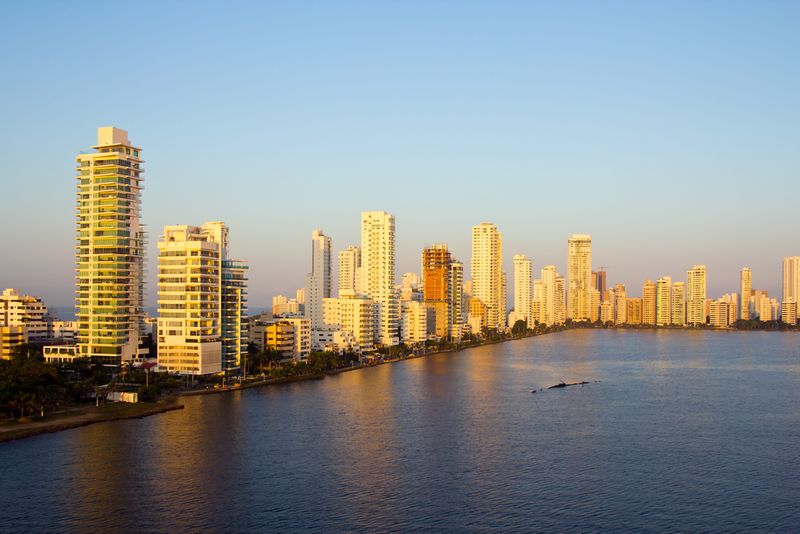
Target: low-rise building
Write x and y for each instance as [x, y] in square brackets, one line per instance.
[11, 337]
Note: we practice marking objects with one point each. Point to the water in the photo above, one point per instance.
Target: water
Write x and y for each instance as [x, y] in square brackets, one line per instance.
[686, 431]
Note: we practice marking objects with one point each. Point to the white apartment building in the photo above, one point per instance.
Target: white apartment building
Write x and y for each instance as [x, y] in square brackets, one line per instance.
[201, 301]
[487, 273]
[349, 270]
[746, 287]
[352, 315]
[664, 301]
[696, 295]
[378, 273]
[523, 289]
[28, 312]
[678, 304]
[413, 322]
[318, 281]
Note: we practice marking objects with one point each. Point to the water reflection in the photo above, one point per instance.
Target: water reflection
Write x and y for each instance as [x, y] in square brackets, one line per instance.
[695, 427]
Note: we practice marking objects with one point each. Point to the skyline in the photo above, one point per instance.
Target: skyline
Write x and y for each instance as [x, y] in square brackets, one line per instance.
[522, 128]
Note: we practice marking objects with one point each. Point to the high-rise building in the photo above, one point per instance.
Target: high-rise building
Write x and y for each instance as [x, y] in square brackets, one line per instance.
[378, 272]
[579, 275]
[202, 297]
[791, 279]
[746, 286]
[538, 299]
[649, 301]
[679, 304]
[319, 280]
[596, 303]
[634, 312]
[560, 300]
[696, 295]
[599, 283]
[523, 289]
[349, 270]
[487, 272]
[664, 301]
[548, 296]
[457, 305]
[436, 277]
[110, 250]
[621, 304]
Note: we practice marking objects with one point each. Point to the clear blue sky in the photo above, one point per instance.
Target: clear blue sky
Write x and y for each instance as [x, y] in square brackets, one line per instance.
[669, 131]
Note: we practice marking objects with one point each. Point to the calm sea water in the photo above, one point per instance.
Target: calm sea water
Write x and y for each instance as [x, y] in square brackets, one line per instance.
[686, 431]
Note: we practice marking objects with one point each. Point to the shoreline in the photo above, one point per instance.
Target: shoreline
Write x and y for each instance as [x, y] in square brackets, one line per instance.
[109, 412]
[85, 416]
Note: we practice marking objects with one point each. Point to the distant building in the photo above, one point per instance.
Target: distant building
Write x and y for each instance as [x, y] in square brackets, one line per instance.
[487, 273]
[649, 302]
[436, 278]
[789, 312]
[523, 288]
[579, 277]
[664, 301]
[378, 272]
[413, 322]
[28, 312]
[678, 304]
[621, 304]
[291, 337]
[791, 279]
[595, 309]
[696, 295]
[719, 313]
[319, 281]
[634, 313]
[746, 286]
[349, 270]
[355, 317]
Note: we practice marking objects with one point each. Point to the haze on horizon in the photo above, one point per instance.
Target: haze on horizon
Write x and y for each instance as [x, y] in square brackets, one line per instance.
[669, 132]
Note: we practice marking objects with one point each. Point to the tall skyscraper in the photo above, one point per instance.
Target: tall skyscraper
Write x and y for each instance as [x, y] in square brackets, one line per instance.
[437, 293]
[599, 284]
[523, 288]
[487, 272]
[664, 301]
[696, 295]
[579, 275]
[548, 301]
[746, 286]
[679, 303]
[378, 272]
[791, 279]
[621, 304]
[649, 302]
[202, 297]
[319, 280]
[560, 300]
[110, 250]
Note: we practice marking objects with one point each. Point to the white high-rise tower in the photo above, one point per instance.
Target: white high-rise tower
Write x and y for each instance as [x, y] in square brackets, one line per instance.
[523, 288]
[378, 273]
[318, 281]
[487, 272]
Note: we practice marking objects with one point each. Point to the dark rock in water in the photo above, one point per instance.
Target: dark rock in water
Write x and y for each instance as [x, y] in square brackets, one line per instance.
[562, 384]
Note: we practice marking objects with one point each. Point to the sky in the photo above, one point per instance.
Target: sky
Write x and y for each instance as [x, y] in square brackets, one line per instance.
[669, 131]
